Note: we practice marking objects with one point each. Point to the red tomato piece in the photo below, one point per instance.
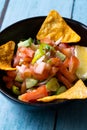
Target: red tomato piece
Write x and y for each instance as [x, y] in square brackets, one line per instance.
[64, 80]
[63, 46]
[66, 62]
[64, 71]
[23, 56]
[54, 70]
[55, 62]
[73, 64]
[16, 61]
[48, 41]
[34, 95]
[39, 74]
[68, 51]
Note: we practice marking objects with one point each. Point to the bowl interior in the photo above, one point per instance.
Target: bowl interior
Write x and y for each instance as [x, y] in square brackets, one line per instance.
[29, 28]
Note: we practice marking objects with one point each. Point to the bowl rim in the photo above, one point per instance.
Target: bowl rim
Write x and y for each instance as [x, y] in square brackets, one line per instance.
[37, 104]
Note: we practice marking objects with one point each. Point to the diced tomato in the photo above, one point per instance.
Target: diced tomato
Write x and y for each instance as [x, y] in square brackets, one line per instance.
[64, 71]
[68, 51]
[43, 76]
[64, 80]
[66, 62]
[48, 41]
[16, 61]
[38, 73]
[55, 62]
[24, 55]
[73, 64]
[28, 51]
[54, 70]
[63, 46]
[34, 94]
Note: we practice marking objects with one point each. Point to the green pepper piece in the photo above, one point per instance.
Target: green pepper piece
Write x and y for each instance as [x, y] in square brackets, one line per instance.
[47, 47]
[15, 90]
[61, 90]
[52, 85]
[26, 43]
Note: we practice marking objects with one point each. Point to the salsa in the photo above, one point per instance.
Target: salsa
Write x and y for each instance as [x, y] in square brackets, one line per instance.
[43, 68]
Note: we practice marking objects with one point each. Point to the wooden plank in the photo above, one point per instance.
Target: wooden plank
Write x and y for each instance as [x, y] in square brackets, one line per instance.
[24, 9]
[2, 2]
[79, 12]
[13, 117]
[73, 116]
[2, 10]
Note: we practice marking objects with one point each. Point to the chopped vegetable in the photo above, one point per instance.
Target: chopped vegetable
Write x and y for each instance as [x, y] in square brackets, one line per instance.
[60, 55]
[39, 53]
[52, 85]
[34, 94]
[61, 90]
[15, 90]
[30, 82]
[25, 43]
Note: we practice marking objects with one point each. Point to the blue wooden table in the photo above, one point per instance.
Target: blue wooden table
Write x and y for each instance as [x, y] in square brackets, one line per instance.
[67, 117]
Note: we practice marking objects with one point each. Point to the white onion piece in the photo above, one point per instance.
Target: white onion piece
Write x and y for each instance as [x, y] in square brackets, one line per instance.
[44, 82]
[41, 59]
[58, 41]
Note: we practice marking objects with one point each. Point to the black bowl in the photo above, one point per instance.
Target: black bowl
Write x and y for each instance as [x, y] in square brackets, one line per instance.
[29, 28]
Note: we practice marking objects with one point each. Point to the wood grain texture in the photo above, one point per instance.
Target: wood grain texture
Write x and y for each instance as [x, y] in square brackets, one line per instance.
[13, 117]
[2, 2]
[2, 10]
[80, 11]
[24, 9]
[73, 116]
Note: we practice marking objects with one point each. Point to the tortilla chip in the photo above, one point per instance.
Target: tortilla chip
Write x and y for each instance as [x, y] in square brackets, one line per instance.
[55, 27]
[78, 91]
[6, 55]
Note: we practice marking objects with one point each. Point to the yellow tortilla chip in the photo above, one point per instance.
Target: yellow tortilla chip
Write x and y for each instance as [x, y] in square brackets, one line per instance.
[6, 55]
[55, 27]
[78, 91]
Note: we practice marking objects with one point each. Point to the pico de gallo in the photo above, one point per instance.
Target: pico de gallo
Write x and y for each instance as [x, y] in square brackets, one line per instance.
[43, 67]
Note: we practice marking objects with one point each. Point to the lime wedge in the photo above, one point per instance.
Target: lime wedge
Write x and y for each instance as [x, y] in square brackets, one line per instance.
[81, 54]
